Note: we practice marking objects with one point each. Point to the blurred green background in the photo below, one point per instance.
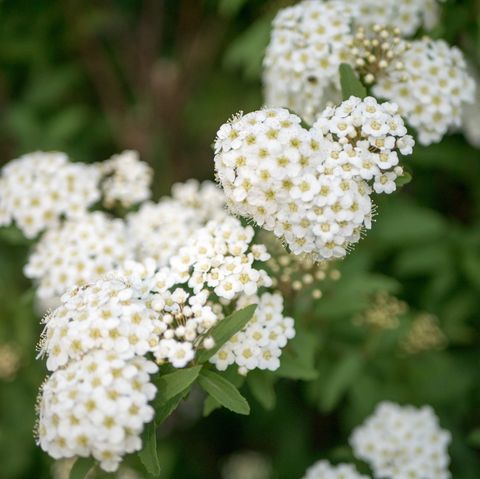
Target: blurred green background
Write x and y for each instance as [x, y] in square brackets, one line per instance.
[93, 78]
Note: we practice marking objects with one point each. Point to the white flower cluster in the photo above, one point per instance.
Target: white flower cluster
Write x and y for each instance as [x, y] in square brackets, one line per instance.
[220, 256]
[108, 314]
[310, 187]
[141, 308]
[408, 15]
[324, 470]
[259, 345]
[308, 43]
[431, 88]
[427, 78]
[96, 406]
[400, 442]
[158, 230]
[127, 179]
[37, 189]
[76, 252]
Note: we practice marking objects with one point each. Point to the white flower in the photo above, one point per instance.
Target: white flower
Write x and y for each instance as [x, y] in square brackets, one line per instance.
[38, 189]
[431, 88]
[426, 78]
[96, 406]
[110, 314]
[321, 205]
[259, 344]
[127, 179]
[403, 441]
[219, 256]
[408, 16]
[77, 252]
[159, 230]
[308, 42]
[324, 470]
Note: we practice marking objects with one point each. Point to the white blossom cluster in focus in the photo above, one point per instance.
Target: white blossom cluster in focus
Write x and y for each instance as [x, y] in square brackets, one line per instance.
[427, 79]
[76, 252]
[158, 230]
[141, 308]
[431, 88]
[259, 345]
[407, 15]
[221, 256]
[109, 314]
[399, 442]
[324, 470]
[38, 189]
[312, 187]
[126, 179]
[96, 406]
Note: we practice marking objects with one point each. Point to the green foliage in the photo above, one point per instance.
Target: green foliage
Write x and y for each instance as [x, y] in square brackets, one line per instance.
[223, 391]
[173, 384]
[148, 455]
[298, 361]
[351, 85]
[225, 329]
[341, 377]
[81, 467]
[404, 179]
[262, 386]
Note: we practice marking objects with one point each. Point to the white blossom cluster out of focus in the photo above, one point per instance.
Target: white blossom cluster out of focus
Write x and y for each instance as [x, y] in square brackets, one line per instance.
[312, 187]
[126, 179]
[427, 78]
[76, 252]
[40, 190]
[403, 441]
[158, 230]
[397, 442]
[325, 470]
[408, 16]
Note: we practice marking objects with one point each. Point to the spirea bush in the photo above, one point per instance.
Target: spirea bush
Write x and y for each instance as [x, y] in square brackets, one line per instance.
[223, 294]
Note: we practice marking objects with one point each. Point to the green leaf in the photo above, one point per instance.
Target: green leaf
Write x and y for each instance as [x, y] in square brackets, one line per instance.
[13, 235]
[210, 405]
[246, 52]
[162, 412]
[148, 455]
[403, 222]
[474, 438]
[351, 85]
[298, 361]
[223, 391]
[81, 467]
[403, 179]
[341, 378]
[225, 329]
[229, 8]
[261, 384]
[172, 384]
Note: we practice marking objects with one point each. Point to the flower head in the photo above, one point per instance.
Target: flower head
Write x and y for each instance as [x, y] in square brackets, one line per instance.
[126, 179]
[96, 406]
[324, 470]
[403, 441]
[312, 187]
[38, 189]
[77, 252]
